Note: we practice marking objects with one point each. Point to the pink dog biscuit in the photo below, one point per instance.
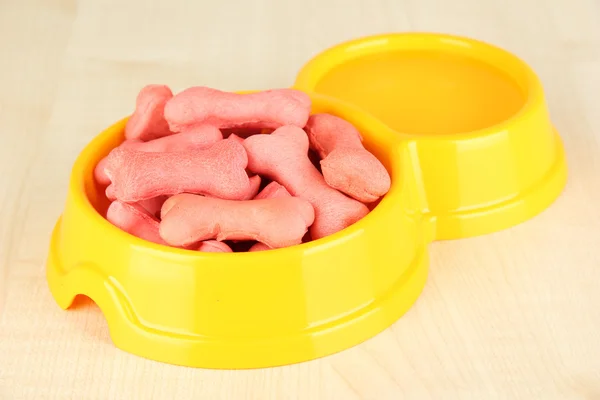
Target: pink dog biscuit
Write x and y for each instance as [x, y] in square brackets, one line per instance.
[110, 193]
[272, 191]
[214, 246]
[282, 156]
[199, 138]
[225, 110]
[281, 222]
[253, 188]
[346, 165]
[236, 138]
[147, 121]
[134, 221]
[259, 247]
[326, 132]
[153, 205]
[244, 132]
[255, 180]
[99, 173]
[218, 171]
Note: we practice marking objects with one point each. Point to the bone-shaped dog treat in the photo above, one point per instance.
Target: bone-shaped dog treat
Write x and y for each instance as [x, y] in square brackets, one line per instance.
[271, 191]
[110, 192]
[218, 171]
[266, 109]
[243, 133]
[147, 121]
[200, 137]
[135, 221]
[254, 187]
[100, 174]
[214, 246]
[235, 137]
[255, 180]
[280, 222]
[357, 173]
[346, 165]
[153, 205]
[259, 247]
[283, 157]
[326, 132]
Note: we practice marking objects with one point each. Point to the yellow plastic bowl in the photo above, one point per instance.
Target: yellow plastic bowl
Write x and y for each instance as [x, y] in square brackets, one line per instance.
[475, 116]
[462, 128]
[244, 310]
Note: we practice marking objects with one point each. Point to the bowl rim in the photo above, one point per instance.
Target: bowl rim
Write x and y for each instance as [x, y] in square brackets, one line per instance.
[82, 175]
[312, 72]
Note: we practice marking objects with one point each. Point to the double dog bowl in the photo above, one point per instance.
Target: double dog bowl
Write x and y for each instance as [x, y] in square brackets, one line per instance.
[463, 129]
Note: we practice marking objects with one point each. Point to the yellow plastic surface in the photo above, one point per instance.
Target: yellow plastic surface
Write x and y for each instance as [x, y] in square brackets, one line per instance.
[461, 126]
[475, 116]
[244, 310]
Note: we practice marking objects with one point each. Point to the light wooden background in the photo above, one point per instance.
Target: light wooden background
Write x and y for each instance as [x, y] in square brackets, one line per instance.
[513, 315]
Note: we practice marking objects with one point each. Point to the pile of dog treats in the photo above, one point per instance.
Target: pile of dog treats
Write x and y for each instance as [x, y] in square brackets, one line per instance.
[209, 170]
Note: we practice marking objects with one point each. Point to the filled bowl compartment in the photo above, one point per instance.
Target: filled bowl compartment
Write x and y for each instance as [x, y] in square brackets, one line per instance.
[461, 128]
[249, 309]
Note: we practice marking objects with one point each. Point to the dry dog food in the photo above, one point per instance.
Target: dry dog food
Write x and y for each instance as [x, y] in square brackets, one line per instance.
[208, 170]
[346, 165]
[283, 157]
[278, 222]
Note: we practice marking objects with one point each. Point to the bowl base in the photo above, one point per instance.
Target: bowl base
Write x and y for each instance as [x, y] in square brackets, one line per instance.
[506, 214]
[130, 335]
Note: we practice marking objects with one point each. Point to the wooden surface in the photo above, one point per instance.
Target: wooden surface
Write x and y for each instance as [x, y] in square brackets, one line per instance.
[512, 315]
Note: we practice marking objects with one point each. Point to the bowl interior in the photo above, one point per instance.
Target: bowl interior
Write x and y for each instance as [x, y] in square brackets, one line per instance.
[380, 144]
[424, 83]
[426, 92]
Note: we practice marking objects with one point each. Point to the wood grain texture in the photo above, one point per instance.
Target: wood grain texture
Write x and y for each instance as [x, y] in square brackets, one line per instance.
[512, 315]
